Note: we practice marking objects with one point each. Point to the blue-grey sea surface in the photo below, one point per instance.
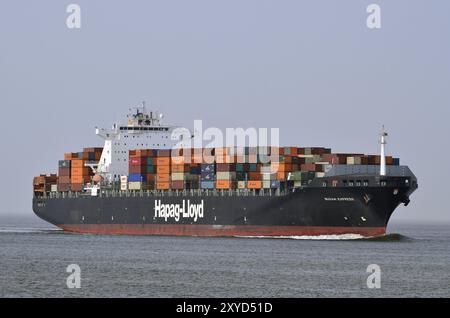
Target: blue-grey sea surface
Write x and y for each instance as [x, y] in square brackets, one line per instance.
[414, 260]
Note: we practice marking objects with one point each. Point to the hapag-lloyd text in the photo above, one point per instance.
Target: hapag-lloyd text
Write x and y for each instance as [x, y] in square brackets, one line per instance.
[177, 211]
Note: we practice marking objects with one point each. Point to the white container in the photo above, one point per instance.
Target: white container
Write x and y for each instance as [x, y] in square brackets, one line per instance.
[222, 175]
[123, 179]
[178, 176]
[54, 188]
[266, 184]
[135, 185]
[241, 185]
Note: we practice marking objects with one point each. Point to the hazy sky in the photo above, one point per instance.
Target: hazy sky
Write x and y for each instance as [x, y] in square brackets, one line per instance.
[311, 68]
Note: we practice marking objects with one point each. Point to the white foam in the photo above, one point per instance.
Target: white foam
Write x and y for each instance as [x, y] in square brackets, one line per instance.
[333, 237]
[26, 230]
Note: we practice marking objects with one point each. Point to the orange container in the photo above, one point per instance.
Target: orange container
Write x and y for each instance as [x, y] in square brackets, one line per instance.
[79, 171]
[225, 159]
[80, 179]
[281, 176]
[180, 168]
[162, 169]
[163, 177]
[177, 160]
[252, 184]
[284, 167]
[162, 185]
[252, 158]
[163, 161]
[221, 151]
[389, 160]
[254, 176]
[139, 153]
[77, 163]
[97, 155]
[223, 184]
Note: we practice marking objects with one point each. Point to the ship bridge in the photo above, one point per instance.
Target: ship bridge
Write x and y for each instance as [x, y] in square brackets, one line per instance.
[142, 130]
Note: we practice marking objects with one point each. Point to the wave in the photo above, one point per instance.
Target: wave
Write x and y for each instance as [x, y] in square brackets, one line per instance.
[29, 230]
[393, 237]
[332, 237]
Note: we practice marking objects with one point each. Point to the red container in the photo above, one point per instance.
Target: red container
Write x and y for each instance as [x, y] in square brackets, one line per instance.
[64, 172]
[150, 178]
[177, 185]
[64, 187]
[137, 161]
[137, 169]
[164, 152]
[76, 187]
[308, 167]
[224, 167]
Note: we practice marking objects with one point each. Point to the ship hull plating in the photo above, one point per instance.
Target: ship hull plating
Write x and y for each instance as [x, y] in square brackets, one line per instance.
[307, 211]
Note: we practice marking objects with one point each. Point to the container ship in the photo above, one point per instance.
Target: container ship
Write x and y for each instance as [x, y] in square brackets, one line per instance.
[136, 184]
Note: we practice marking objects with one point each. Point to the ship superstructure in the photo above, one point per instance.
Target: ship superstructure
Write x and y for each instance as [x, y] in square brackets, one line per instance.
[143, 130]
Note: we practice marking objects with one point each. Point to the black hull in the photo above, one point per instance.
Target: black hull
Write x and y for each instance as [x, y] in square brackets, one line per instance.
[307, 211]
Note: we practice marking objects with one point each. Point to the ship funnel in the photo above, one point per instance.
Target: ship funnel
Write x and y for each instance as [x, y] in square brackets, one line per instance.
[383, 136]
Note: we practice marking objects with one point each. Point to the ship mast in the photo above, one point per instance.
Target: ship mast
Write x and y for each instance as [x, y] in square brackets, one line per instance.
[383, 142]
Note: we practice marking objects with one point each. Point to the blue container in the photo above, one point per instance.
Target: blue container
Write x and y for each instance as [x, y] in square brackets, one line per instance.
[253, 167]
[195, 170]
[275, 184]
[209, 167]
[64, 164]
[91, 156]
[137, 177]
[80, 155]
[396, 161]
[207, 185]
[207, 176]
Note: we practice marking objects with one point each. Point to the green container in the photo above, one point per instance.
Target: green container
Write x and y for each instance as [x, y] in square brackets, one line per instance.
[239, 167]
[287, 150]
[150, 161]
[253, 167]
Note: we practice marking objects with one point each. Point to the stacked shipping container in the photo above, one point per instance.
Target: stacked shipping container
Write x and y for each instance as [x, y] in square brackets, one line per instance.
[45, 183]
[72, 172]
[227, 168]
[208, 168]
